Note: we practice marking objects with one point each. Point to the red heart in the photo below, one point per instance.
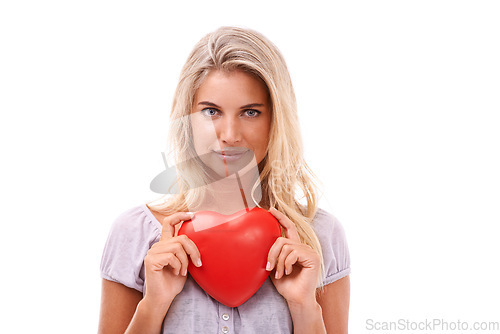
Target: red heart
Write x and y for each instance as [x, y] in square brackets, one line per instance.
[233, 250]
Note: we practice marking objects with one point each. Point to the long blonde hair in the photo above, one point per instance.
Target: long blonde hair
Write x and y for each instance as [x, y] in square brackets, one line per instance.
[285, 178]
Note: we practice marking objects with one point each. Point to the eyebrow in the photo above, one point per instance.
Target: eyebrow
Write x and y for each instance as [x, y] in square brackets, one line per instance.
[250, 105]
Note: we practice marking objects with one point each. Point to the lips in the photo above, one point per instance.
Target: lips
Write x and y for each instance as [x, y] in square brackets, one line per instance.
[231, 153]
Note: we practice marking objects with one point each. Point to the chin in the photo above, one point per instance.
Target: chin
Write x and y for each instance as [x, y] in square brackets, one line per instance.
[219, 171]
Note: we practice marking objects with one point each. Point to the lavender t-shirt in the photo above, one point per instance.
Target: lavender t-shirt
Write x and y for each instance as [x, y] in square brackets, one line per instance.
[194, 311]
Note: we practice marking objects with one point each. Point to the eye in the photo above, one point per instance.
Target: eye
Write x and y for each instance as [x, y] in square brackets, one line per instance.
[210, 112]
[252, 113]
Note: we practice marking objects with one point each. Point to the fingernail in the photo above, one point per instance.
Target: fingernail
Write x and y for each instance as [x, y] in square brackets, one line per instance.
[185, 272]
[198, 263]
[268, 266]
[191, 214]
[276, 275]
[286, 271]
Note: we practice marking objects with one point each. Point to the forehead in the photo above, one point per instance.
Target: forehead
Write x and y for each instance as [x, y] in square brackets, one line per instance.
[234, 87]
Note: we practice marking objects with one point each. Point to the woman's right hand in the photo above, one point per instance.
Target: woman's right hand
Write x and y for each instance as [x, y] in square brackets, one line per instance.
[166, 263]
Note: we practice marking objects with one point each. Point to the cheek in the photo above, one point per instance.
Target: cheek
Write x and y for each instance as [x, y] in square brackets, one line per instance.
[261, 140]
[203, 137]
[266, 132]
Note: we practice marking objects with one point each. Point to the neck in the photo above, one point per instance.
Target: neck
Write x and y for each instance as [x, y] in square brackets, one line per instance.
[231, 194]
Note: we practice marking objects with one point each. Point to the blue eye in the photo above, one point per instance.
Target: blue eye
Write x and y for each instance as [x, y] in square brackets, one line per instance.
[252, 113]
[210, 112]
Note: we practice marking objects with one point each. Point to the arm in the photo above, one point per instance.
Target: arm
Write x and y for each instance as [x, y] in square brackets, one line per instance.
[312, 310]
[118, 304]
[125, 310]
[334, 301]
[331, 309]
[307, 317]
[297, 269]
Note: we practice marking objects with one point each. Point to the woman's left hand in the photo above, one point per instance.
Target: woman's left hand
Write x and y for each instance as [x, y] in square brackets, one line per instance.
[297, 264]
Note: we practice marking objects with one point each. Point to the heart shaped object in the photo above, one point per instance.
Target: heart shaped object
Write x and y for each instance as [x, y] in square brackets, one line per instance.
[233, 250]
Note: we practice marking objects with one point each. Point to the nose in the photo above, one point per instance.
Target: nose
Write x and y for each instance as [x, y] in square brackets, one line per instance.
[230, 132]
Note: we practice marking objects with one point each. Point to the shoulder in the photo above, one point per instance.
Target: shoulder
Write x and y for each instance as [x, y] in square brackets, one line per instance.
[135, 222]
[327, 225]
[132, 234]
[332, 237]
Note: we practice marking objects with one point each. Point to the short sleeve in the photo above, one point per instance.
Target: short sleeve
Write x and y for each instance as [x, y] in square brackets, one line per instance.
[131, 236]
[333, 242]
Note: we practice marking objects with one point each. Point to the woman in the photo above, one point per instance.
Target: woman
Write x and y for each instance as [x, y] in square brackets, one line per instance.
[234, 130]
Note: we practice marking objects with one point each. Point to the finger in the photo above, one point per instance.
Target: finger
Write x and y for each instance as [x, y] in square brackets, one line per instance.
[180, 253]
[275, 251]
[290, 260]
[160, 261]
[168, 226]
[177, 249]
[177, 245]
[287, 224]
[304, 256]
[190, 248]
[286, 250]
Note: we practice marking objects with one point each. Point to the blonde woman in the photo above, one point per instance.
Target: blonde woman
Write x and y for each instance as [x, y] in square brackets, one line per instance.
[235, 138]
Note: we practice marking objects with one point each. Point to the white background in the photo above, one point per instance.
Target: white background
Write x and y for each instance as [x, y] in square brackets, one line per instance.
[399, 106]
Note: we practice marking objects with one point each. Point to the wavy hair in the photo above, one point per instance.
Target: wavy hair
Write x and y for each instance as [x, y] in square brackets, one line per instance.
[286, 181]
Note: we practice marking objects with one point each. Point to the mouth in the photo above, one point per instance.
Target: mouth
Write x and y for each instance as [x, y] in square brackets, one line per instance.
[231, 153]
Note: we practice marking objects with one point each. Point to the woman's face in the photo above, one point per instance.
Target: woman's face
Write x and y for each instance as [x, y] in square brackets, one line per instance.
[231, 118]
